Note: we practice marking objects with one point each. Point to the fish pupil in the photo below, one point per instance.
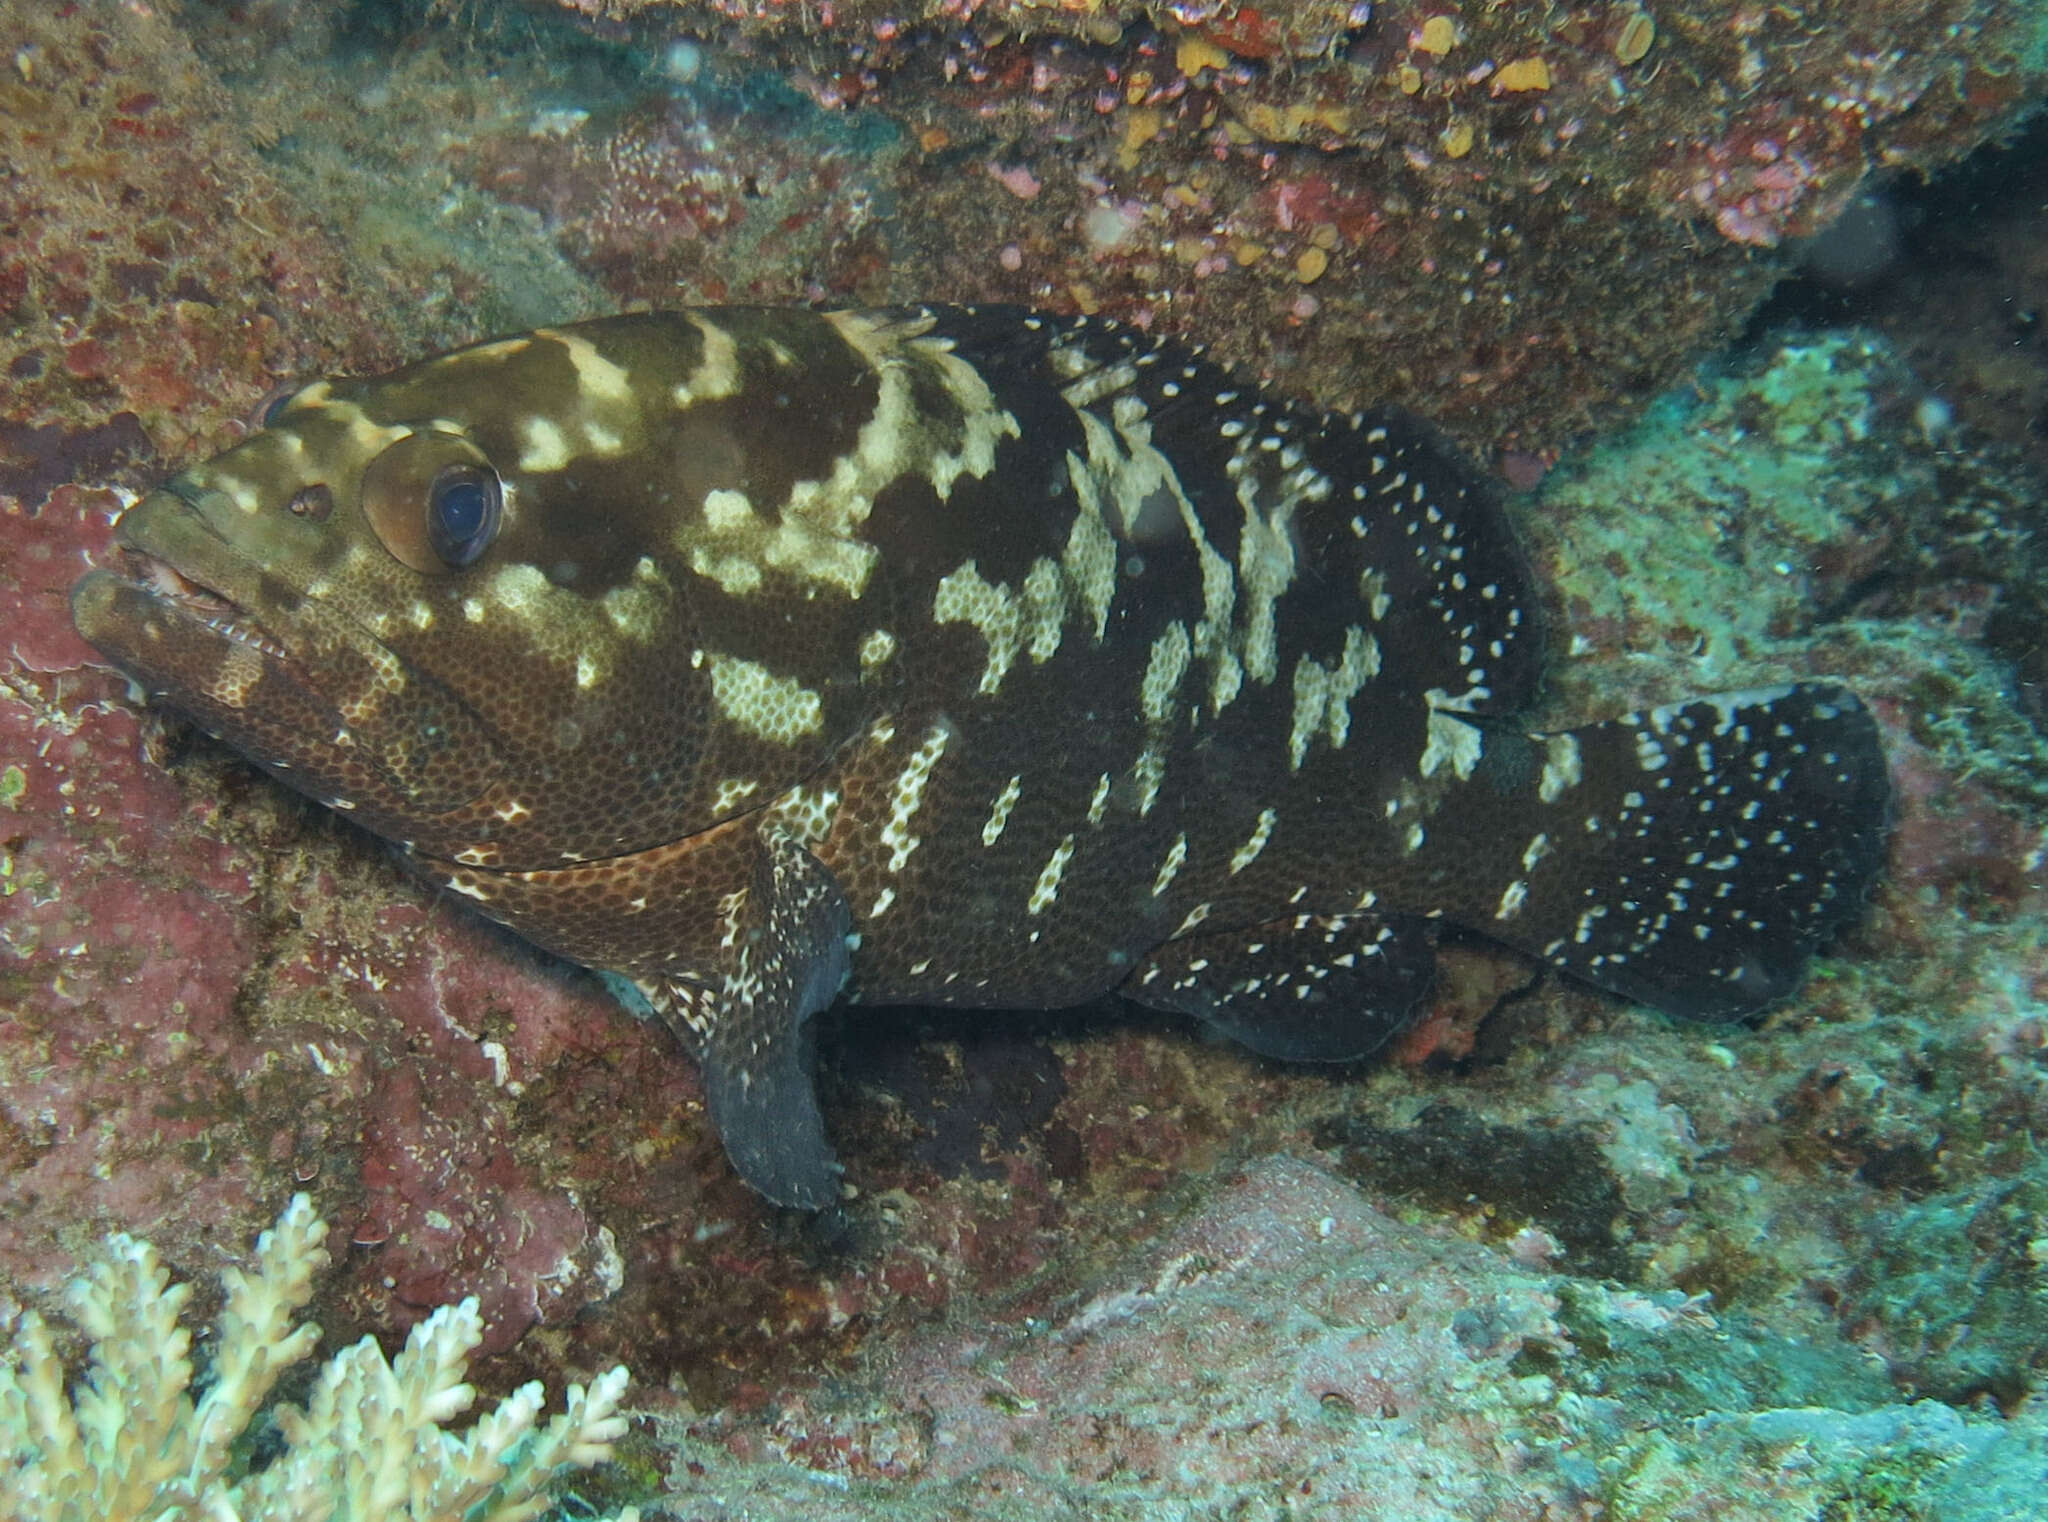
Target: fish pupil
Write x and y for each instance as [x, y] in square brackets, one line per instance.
[462, 514]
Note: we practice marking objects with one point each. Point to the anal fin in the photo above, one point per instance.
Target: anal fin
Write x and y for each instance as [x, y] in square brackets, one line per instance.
[1308, 988]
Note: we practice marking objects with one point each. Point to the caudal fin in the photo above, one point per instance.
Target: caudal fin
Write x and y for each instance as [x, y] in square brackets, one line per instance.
[1694, 857]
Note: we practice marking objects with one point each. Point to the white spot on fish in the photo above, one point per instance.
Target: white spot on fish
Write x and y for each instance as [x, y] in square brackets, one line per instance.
[1248, 853]
[726, 511]
[1322, 695]
[1149, 773]
[546, 447]
[717, 375]
[1047, 889]
[964, 597]
[876, 647]
[597, 378]
[1163, 672]
[806, 813]
[1451, 740]
[909, 795]
[1176, 855]
[777, 708]
[1561, 767]
[731, 791]
[999, 811]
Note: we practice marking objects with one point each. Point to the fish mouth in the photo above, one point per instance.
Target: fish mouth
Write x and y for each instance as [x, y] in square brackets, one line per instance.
[174, 591]
[175, 607]
[210, 609]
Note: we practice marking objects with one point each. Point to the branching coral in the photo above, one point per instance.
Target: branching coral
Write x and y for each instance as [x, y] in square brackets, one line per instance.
[131, 1441]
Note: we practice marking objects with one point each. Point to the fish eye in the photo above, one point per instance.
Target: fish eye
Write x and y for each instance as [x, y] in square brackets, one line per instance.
[463, 510]
[434, 501]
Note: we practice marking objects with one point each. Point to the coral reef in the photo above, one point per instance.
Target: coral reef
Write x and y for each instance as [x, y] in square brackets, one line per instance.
[1522, 220]
[1951, 270]
[1286, 1349]
[211, 995]
[132, 1442]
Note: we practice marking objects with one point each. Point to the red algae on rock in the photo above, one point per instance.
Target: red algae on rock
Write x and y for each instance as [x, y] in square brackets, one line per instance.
[1550, 210]
[704, 192]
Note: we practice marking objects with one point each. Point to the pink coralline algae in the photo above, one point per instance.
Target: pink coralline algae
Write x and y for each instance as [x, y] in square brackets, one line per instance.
[1762, 186]
[451, 1211]
[123, 934]
[687, 193]
[1019, 181]
[193, 1018]
[1285, 1338]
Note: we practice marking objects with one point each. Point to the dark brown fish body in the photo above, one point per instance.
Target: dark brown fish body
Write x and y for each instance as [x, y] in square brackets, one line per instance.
[961, 656]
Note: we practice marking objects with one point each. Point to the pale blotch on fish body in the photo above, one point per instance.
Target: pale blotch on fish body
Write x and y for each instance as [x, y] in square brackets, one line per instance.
[969, 656]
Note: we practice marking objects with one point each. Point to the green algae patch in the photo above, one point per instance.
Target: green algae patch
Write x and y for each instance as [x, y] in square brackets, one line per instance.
[1808, 1463]
[1698, 531]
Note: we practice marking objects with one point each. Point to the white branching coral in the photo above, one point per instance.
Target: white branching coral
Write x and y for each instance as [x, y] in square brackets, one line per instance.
[130, 1443]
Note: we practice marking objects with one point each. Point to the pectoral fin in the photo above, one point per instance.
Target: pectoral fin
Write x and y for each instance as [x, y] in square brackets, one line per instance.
[751, 1028]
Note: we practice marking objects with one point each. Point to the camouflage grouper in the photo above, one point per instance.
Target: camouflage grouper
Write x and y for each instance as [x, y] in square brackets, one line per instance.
[960, 656]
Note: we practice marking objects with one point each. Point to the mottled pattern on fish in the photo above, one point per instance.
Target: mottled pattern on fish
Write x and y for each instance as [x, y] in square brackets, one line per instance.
[964, 656]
